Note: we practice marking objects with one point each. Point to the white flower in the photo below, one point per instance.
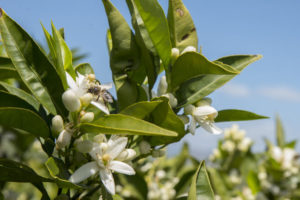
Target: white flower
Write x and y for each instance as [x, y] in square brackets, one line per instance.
[234, 177]
[215, 155]
[276, 153]
[109, 156]
[244, 144]
[204, 114]
[80, 88]
[228, 146]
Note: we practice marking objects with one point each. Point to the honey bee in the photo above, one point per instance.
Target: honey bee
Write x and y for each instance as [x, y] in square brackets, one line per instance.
[104, 94]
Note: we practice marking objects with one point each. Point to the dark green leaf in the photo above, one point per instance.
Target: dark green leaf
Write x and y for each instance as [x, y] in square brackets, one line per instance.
[84, 68]
[25, 120]
[192, 64]
[124, 125]
[197, 88]
[182, 29]
[7, 69]
[237, 115]
[10, 100]
[141, 109]
[32, 64]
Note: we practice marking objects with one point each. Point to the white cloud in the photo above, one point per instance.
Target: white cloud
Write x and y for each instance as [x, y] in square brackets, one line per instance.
[237, 90]
[282, 93]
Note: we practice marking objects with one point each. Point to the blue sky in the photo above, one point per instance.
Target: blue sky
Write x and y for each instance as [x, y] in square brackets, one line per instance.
[270, 28]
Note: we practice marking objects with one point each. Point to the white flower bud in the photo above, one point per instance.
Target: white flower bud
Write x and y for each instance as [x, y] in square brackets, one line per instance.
[162, 86]
[184, 119]
[172, 99]
[228, 146]
[122, 156]
[87, 117]
[86, 99]
[175, 54]
[245, 144]
[63, 139]
[204, 102]
[57, 124]
[189, 49]
[99, 138]
[130, 154]
[84, 146]
[71, 101]
[144, 147]
[189, 109]
[160, 174]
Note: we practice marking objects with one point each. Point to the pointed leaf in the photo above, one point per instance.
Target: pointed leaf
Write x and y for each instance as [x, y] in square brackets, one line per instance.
[237, 115]
[32, 64]
[10, 100]
[280, 135]
[84, 68]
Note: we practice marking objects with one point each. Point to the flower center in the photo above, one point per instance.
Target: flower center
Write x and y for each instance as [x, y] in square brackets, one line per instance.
[105, 159]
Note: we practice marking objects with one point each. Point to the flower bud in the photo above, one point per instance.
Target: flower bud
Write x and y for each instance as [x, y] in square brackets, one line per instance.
[184, 119]
[71, 101]
[162, 86]
[84, 146]
[99, 138]
[91, 77]
[87, 117]
[204, 102]
[175, 54]
[189, 49]
[130, 154]
[86, 99]
[172, 99]
[144, 147]
[189, 109]
[63, 139]
[158, 153]
[57, 124]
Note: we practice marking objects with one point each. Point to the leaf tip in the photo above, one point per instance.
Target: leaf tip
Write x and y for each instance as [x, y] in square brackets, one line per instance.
[1, 12]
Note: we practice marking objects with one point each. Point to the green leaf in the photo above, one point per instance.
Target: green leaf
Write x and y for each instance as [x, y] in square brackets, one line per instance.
[32, 64]
[84, 68]
[156, 25]
[182, 29]
[280, 135]
[253, 182]
[25, 120]
[197, 88]
[141, 109]
[7, 69]
[201, 187]
[6, 62]
[59, 173]
[219, 184]
[10, 100]
[124, 125]
[21, 94]
[11, 171]
[237, 115]
[192, 64]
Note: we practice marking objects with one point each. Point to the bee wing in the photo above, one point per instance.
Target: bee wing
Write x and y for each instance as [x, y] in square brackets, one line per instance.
[106, 86]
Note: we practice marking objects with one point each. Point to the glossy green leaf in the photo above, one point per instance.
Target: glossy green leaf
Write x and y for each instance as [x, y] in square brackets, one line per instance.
[141, 109]
[237, 115]
[10, 100]
[7, 69]
[59, 173]
[21, 94]
[84, 68]
[124, 125]
[280, 135]
[201, 187]
[24, 119]
[33, 65]
[156, 25]
[11, 171]
[6, 62]
[182, 29]
[192, 64]
[197, 88]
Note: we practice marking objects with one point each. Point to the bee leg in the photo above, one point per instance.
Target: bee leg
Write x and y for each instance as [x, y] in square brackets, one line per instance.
[98, 97]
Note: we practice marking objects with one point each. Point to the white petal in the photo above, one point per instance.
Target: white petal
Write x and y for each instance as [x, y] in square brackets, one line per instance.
[192, 126]
[96, 150]
[106, 86]
[107, 180]
[72, 84]
[80, 78]
[211, 127]
[84, 172]
[100, 106]
[116, 147]
[121, 167]
[205, 110]
[63, 139]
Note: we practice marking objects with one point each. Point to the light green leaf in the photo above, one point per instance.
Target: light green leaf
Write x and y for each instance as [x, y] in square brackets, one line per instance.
[156, 25]
[21, 94]
[59, 173]
[201, 187]
[253, 182]
[197, 88]
[192, 64]
[25, 120]
[141, 109]
[34, 68]
[237, 115]
[124, 125]
[84, 68]
[11, 171]
[280, 135]
[182, 29]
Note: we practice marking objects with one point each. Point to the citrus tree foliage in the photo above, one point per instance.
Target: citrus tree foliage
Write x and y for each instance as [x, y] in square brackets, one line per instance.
[91, 138]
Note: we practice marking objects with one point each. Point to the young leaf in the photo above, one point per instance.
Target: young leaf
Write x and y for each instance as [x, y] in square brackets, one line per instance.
[237, 115]
[84, 68]
[32, 64]
[280, 135]
[182, 29]
[21, 94]
[197, 88]
[25, 120]
[201, 186]
[11, 171]
[125, 125]
[192, 64]
[156, 26]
